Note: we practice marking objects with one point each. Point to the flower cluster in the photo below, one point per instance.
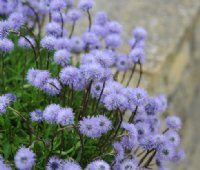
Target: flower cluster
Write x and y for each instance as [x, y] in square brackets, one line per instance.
[80, 120]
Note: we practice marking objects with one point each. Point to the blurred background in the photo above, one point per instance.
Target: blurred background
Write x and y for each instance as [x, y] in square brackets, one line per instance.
[173, 58]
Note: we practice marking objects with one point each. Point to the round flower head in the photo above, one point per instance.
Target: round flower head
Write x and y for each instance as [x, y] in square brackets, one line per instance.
[36, 116]
[123, 62]
[62, 57]
[71, 165]
[98, 165]
[91, 40]
[165, 152]
[51, 112]
[57, 5]
[119, 151]
[114, 27]
[137, 55]
[41, 78]
[73, 15]
[52, 87]
[88, 59]
[151, 107]
[99, 30]
[23, 43]
[57, 17]
[4, 102]
[129, 142]
[113, 41]
[162, 103]
[4, 29]
[173, 122]
[142, 129]
[48, 42]
[68, 75]
[128, 164]
[92, 72]
[70, 3]
[77, 44]
[147, 142]
[65, 117]
[31, 76]
[103, 58]
[178, 156]
[172, 137]
[11, 97]
[6, 45]
[16, 20]
[24, 159]
[4, 166]
[89, 127]
[53, 29]
[140, 33]
[100, 18]
[104, 123]
[115, 101]
[63, 43]
[130, 128]
[86, 4]
[96, 89]
[54, 164]
[154, 122]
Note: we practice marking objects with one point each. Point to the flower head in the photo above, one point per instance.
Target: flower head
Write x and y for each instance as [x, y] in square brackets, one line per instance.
[86, 4]
[24, 159]
[36, 116]
[62, 57]
[6, 45]
[51, 112]
[54, 164]
[65, 116]
[98, 165]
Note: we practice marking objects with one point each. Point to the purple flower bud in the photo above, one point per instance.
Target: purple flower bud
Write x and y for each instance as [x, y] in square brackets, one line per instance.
[57, 5]
[113, 41]
[16, 20]
[62, 57]
[114, 27]
[123, 62]
[139, 33]
[173, 122]
[48, 42]
[71, 165]
[53, 29]
[77, 44]
[6, 45]
[100, 18]
[36, 116]
[63, 43]
[86, 4]
[52, 87]
[54, 164]
[65, 117]
[91, 40]
[73, 15]
[23, 43]
[98, 164]
[51, 112]
[137, 56]
[4, 29]
[25, 158]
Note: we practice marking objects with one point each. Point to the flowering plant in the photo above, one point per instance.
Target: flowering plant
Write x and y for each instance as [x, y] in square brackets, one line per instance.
[63, 104]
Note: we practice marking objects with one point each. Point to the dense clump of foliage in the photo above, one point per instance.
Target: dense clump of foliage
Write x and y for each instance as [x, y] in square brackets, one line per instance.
[62, 101]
